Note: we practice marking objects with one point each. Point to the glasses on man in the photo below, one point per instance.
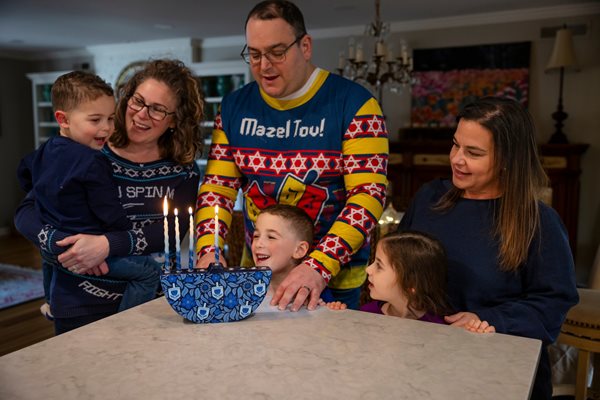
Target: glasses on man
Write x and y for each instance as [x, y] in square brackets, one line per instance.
[155, 112]
[275, 55]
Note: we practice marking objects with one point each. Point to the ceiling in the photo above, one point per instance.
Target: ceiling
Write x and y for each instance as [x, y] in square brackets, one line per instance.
[29, 27]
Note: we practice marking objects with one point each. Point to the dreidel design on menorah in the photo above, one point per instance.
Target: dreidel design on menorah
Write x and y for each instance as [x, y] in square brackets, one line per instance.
[216, 294]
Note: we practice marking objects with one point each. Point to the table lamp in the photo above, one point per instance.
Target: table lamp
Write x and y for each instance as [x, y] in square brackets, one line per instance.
[563, 56]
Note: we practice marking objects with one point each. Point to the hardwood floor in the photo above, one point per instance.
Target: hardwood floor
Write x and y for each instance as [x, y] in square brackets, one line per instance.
[21, 325]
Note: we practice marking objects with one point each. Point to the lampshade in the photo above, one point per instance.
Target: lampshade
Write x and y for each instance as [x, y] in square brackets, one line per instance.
[563, 54]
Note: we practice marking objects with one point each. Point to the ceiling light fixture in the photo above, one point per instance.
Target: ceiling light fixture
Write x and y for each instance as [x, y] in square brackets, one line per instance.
[384, 68]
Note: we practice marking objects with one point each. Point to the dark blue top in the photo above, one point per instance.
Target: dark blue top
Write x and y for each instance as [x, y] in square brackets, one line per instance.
[141, 188]
[376, 306]
[73, 187]
[531, 302]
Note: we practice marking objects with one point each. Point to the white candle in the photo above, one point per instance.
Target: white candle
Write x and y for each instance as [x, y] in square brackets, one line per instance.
[351, 54]
[177, 242]
[380, 49]
[389, 53]
[341, 61]
[166, 232]
[217, 234]
[404, 55]
[359, 53]
[192, 242]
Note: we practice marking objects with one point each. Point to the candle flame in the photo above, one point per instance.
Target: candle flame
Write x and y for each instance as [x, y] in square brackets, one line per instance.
[175, 211]
[165, 207]
[190, 210]
[217, 210]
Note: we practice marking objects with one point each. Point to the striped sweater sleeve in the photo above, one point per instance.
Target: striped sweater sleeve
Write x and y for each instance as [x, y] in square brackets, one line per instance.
[365, 156]
[220, 187]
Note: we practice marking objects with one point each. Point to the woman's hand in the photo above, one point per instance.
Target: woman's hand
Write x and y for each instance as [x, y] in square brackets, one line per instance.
[334, 305]
[461, 319]
[478, 326]
[98, 270]
[86, 251]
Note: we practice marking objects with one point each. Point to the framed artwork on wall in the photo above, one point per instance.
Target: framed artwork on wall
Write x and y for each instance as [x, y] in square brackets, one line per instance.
[447, 78]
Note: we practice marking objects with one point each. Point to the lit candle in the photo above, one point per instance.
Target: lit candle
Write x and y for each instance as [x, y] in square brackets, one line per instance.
[217, 234]
[192, 242]
[177, 242]
[166, 233]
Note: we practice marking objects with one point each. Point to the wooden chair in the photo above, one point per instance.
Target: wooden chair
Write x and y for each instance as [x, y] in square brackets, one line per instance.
[581, 330]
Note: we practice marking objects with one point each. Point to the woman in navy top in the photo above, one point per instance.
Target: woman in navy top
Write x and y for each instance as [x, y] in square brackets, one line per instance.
[509, 261]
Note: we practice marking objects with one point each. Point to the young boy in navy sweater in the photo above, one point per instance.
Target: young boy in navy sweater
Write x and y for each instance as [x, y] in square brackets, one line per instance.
[71, 181]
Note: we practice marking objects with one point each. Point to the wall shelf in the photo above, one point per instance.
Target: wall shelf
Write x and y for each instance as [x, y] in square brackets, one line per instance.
[44, 124]
[215, 80]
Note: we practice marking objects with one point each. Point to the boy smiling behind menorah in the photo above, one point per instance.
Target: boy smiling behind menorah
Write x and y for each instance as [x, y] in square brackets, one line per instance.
[283, 236]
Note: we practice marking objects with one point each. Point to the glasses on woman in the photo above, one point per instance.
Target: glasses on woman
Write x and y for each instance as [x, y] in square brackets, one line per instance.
[155, 112]
[275, 55]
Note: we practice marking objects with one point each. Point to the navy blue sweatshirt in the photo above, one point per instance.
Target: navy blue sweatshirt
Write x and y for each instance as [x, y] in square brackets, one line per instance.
[140, 188]
[532, 302]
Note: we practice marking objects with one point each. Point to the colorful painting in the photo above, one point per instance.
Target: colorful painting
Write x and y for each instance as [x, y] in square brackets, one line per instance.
[447, 78]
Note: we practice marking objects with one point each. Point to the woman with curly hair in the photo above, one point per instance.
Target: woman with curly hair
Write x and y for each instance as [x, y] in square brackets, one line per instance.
[152, 152]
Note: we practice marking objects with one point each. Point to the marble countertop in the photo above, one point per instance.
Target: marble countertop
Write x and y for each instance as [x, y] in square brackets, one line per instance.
[150, 352]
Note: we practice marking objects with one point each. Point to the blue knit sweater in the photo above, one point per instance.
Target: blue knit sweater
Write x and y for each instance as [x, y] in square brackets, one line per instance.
[141, 188]
[73, 187]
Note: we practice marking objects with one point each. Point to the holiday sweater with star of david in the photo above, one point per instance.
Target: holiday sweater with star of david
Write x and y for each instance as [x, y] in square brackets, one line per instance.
[325, 151]
[141, 190]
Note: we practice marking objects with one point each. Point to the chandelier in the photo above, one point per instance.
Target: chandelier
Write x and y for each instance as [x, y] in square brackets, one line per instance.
[384, 68]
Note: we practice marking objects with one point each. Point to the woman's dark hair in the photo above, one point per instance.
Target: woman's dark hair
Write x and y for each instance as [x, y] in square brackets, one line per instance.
[286, 10]
[519, 171]
[421, 266]
[183, 143]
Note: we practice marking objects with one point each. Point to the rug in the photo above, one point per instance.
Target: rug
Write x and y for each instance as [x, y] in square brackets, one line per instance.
[18, 285]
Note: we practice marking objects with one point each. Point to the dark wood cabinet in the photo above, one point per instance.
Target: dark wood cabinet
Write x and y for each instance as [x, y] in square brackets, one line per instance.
[415, 162]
